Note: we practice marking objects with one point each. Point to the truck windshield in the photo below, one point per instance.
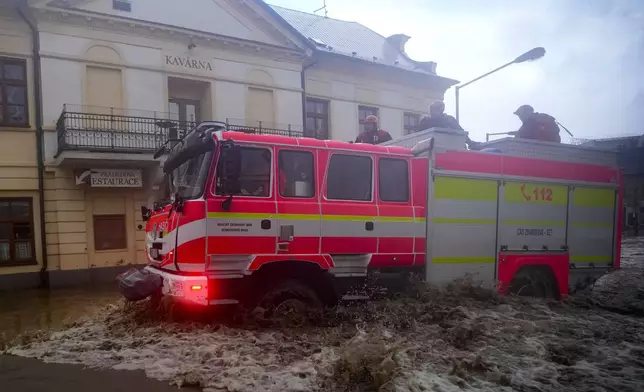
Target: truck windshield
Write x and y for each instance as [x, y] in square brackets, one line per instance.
[188, 180]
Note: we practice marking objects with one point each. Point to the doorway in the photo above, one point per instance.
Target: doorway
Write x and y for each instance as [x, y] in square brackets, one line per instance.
[188, 102]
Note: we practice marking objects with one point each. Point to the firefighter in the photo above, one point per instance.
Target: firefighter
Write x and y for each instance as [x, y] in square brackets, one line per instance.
[372, 134]
[438, 119]
[536, 126]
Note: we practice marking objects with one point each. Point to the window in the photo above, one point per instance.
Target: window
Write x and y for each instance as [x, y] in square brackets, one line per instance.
[297, 176]
[109, 232]
[393, 180]
[13, 92]
[122, 5]
[16, 231]
[255, 173]
[317, 119]
[349, 178]
[363, 112]
[189, 179]
[410, 122]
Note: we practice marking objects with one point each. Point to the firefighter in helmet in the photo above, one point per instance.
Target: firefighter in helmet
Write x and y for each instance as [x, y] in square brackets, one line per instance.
[372, 133]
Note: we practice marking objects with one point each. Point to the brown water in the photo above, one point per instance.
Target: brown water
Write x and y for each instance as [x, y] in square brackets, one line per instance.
[24, 311]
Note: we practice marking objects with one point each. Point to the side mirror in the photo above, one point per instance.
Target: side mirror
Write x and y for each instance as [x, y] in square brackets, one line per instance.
[230, 169]
[160, 151]
[145, 213]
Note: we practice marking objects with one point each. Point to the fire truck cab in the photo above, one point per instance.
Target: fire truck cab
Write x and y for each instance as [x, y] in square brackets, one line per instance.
[266, 219]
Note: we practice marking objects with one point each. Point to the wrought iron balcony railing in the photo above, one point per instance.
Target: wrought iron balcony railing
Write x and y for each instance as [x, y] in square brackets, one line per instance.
[134, 131]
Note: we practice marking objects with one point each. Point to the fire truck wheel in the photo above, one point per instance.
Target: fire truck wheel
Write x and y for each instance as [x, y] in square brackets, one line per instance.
[290, 299]
[534, 281]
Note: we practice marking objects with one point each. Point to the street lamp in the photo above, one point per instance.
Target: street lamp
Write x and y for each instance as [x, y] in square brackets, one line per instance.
[531, 55]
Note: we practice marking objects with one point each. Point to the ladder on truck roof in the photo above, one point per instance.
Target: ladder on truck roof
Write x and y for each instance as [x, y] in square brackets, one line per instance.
[448, 139]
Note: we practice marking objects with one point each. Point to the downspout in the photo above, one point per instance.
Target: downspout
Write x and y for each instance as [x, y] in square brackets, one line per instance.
[303, 85]
[26, 15]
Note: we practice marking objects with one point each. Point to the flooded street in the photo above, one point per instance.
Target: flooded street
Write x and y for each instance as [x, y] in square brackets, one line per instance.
[459, 339]
[33, 310]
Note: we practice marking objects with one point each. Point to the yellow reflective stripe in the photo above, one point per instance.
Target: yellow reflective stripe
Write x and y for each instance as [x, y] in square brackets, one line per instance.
[311, 217]
[593, 224]
[396, 219]
[465, 189]
[464, 221]
[457, 260]
[549, 194]
[532, 223]
[239, 215]
[594, 197]
[358, 218]
[591, 259]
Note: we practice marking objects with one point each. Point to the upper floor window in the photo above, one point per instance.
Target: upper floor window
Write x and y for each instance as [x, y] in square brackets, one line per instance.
[350, 177]
[122, 5]
[317, 118]
[255, 172]
[410, 122]
[297, 175]
[16, 231]
[13, 92]
[393, 180]
[363, 112]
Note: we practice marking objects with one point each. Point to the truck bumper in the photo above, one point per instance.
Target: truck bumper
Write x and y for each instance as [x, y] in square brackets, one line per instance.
[199, 289]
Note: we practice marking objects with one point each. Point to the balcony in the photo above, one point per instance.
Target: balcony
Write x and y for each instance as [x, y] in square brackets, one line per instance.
[125, 137]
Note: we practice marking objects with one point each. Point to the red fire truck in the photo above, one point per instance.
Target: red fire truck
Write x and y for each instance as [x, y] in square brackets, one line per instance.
[267, 219]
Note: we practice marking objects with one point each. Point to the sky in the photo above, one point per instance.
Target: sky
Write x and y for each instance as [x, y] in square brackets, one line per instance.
[591, 78]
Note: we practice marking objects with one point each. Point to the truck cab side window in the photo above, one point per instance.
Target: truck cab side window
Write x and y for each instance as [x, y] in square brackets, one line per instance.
[297, 175]
[255, 175]
[393, 180]
[350, 178]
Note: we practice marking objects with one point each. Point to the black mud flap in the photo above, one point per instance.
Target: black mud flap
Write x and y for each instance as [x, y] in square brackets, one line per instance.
[137, 284]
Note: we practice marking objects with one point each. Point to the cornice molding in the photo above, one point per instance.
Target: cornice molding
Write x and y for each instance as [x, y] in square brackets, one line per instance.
[166, 33]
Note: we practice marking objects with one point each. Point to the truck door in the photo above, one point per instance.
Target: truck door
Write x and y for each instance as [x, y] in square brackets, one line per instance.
[242, 225]
[298, 207]
[349, 212]
[396, 228]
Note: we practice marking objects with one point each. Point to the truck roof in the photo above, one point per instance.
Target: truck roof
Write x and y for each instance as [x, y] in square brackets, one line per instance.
[315, 143]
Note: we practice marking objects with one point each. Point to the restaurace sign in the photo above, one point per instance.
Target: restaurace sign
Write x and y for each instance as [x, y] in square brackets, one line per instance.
[188, 62]
[110, 178]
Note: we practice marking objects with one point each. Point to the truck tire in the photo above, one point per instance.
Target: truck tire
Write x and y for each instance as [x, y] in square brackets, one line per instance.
[290, 300]
[536, 282]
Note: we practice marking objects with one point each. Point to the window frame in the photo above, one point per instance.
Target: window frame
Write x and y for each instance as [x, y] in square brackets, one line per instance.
[279, 191]
[110, 216]
[380, 182]
[326, 176]
[17, 83]
[213, 188]
[374, 111]
[13, 262]
[322, 116]
[408, 130]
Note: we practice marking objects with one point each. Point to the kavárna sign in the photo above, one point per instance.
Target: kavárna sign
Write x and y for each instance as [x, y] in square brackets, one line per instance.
[110, 178]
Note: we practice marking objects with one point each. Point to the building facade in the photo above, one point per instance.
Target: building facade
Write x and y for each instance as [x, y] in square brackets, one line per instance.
[630, 156]
[102, 84]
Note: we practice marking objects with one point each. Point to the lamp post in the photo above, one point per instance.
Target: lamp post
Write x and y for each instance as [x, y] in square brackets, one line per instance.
[531, 55]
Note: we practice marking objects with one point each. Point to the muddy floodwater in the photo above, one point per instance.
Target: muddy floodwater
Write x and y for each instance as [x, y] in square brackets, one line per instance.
[458, 339]
[25, 311]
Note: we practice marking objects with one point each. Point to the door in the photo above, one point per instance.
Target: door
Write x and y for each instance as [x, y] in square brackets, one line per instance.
[396, 229]
[186, 112]
[349, 210]
[243, 229]
[298, 206]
